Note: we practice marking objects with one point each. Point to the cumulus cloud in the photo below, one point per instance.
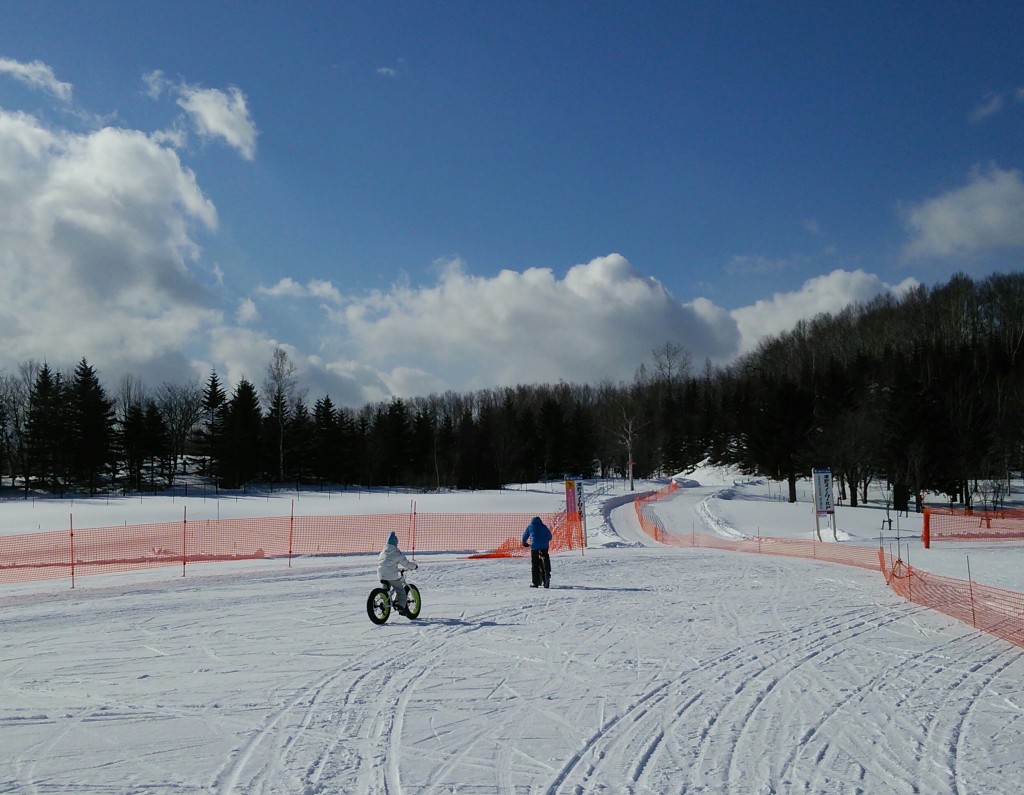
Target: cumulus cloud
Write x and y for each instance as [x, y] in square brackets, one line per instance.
[829, 293]
[600, 321]
[97, 240]
[37, 75]
[236, 353]
[986, 213]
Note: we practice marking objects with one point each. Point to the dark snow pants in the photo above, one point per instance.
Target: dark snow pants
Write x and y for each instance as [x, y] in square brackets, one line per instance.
[540, 564]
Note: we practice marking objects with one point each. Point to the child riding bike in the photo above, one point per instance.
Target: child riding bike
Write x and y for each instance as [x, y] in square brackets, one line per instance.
[390, 563]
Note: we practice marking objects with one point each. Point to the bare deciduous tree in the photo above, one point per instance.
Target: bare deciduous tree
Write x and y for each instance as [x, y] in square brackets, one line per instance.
[181, 407]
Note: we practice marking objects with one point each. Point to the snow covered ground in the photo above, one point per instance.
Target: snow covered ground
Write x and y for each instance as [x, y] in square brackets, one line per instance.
[644, 669]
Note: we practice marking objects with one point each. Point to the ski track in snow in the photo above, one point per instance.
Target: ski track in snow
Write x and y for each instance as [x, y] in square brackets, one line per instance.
[642, 670]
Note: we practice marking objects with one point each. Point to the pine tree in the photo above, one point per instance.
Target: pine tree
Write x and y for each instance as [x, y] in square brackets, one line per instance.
[133, 441]
[157, 444]
[209, 434]
[46, 431]
[243, 428]
[91, 427]
[324, 453]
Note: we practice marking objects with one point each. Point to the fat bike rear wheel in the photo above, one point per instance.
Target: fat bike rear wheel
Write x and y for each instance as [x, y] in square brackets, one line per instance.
[412, 601]
[378, 605]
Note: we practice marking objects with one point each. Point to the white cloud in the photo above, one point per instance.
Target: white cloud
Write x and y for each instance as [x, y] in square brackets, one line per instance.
[600, 321]
[220, 114]
[97, 241]
[37, 75]
[155, 83]
[320, 288]
[986, 213]
[287, 287]
[247, 312]
[829, 293]
[387, 71]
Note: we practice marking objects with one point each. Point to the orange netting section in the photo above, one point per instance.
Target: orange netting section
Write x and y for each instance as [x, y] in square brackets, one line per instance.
[105, 550]
[959, 524]
[996, 611]
[765, 545]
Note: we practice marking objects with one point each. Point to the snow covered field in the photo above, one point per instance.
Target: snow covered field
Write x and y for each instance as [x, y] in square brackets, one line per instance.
[645, 669]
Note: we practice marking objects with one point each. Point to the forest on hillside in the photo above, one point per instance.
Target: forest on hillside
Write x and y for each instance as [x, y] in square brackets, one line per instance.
[925, 392]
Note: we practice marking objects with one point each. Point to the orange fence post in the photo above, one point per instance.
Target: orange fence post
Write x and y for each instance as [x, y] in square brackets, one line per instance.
[412, 528]
[291, 533]
[926, 533]
[970, 587]
[71, 528]
[184, 526]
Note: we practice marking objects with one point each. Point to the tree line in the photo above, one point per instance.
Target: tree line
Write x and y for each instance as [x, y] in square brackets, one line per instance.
[924, 391]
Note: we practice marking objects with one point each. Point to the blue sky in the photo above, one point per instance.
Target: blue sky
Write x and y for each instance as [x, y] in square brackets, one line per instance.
[414, 197]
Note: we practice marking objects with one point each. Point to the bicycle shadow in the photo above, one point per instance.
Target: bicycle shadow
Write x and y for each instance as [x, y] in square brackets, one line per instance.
[459, 622]
[598, 588]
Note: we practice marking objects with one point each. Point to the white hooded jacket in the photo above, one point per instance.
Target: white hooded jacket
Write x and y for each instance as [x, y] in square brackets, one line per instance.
[390, 563]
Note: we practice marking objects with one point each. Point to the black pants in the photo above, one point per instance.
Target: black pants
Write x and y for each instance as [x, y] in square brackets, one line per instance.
[540, 563]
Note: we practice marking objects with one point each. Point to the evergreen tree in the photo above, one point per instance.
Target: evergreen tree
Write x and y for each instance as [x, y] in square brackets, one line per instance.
[133, 443]
[325, 452]
[46, 431]
[209, 433]
[242, 436]
[298, 453]
[157, 444]
[91, 427]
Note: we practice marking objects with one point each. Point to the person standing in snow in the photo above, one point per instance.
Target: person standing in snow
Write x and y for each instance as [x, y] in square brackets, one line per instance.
[390, 563]
[537, 537]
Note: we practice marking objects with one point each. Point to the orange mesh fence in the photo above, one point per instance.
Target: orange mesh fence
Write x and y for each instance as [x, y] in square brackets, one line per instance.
[994, 610]
[566, 534]
[959, 524]
[652, 525]
[105, 550]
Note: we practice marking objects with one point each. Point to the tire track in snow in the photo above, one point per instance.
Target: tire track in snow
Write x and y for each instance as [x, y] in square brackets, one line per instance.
[963, 687]
[247, 757]
[640, 731]
[369, 741]
[297, 740]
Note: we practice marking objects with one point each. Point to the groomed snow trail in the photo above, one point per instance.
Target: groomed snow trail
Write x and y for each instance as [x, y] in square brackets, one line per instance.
[642, 670]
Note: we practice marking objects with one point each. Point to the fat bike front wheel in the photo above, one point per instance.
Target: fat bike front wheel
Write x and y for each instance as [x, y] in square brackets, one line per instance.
[412, 601]
[378, 605]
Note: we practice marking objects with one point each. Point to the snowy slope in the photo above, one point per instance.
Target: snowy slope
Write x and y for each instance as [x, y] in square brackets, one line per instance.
[644, 669]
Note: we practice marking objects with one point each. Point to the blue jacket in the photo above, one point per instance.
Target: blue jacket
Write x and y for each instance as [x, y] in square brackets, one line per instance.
[537, 534]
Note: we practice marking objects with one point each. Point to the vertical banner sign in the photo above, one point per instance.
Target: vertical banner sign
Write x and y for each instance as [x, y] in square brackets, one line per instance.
[824, 503]
[581, 510]
[572, 509]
